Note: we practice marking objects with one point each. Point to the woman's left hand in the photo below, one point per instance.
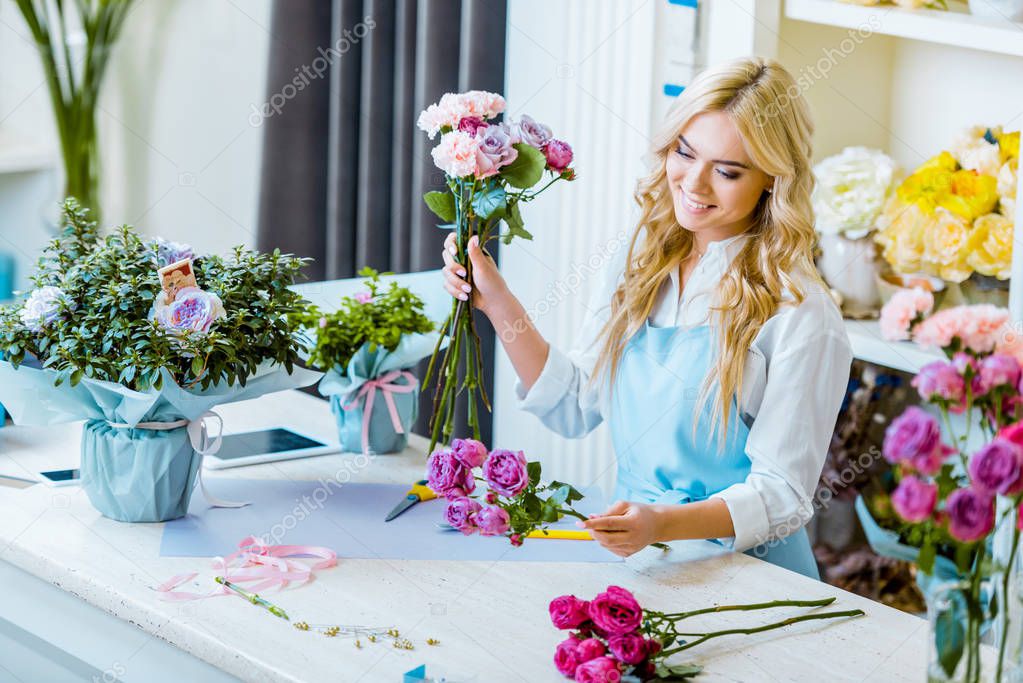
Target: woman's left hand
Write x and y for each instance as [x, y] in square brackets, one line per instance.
[625, 528]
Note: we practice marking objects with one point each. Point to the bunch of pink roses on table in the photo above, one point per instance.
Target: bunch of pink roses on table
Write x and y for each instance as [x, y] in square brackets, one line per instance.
[613, 638]
[515, 503]
[490, 167]
[948, 493]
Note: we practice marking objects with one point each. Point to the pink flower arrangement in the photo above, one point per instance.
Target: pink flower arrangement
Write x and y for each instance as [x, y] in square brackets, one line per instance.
[978, 328]
[906, 308]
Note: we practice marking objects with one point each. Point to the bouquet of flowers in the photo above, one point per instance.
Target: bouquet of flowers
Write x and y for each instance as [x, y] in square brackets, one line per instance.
[490, 168]
[517, 504]
[142, 338]
[852, 188]
[951, 494]
[614, 637]
[368, 344]
[953, 215]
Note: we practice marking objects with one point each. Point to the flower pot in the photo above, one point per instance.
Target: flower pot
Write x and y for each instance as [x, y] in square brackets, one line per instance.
[851, 268]
[138, 475]
[997, 10]
[365, 427]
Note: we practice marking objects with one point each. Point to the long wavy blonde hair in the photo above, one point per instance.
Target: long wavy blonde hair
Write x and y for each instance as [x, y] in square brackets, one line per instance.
[772, 118]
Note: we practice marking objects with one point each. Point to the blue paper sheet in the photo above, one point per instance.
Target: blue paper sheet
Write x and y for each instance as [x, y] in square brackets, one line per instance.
[349, 519]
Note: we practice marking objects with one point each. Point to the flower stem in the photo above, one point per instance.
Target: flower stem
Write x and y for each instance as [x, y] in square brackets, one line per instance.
[1005, 602]
[678, 616]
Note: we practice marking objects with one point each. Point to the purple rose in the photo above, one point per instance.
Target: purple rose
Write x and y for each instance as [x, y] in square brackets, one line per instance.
[998, 468]
[493, 521]
[192, 310]
[998, 370]
[448, 476]
[588, 649]
[43, 307]
[939, 380]
[461, 514]
[171, 252]
[469, 452]
[566, 659]
[914, 499]
[533, 133]
[472, 124]
[616, 611]
[568, 612]
[505, 472]
[495, 150]
[629, 648]
[971, 514]
[559, 155]
[599, 670]
[914, 438]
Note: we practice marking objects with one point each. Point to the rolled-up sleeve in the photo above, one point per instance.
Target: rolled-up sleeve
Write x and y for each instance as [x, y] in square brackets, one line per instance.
[789, 439]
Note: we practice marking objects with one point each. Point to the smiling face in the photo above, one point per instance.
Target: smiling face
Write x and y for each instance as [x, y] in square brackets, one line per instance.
[714, 184]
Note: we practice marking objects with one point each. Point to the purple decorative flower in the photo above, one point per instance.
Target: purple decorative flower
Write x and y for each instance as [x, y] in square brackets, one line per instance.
[171, 252]
[493, 521]
[914, 438]
[914, 499]
[461, 514]
[495, 149]
[506, 472]
[940, 380]
[971, 514]
[998, 468]
[42, 307]
[630, 648]
[363, 297]
[193, 310]
[448, 476]
[469, 452]
[533, 133]
[997, 370]
[559, 155]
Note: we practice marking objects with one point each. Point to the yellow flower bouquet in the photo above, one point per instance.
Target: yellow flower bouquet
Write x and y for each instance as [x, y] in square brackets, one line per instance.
[953, 216]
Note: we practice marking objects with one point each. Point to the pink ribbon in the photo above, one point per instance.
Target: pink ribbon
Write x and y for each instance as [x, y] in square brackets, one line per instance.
[384, 384]
[255, 561]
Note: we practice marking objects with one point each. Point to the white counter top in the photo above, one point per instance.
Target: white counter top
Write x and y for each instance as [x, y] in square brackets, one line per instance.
[491, 618]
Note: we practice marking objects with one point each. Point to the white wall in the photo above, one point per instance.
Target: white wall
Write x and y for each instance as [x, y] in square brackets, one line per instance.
[180, 158]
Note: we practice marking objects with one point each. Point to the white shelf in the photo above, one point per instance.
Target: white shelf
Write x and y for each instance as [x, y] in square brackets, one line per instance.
[953, 27]
[869, 345]
[20, 158]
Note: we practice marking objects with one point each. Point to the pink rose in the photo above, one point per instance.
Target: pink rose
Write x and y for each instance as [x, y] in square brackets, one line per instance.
[902, 310]
[1013, 433]
[471, 125]
[533, 133]
[558, 154]
[469, 452]
[455, 154]
[448, 476]
[515, 539]
[998, 468]
[914, 438]
[599, 670]
[506, 472]
[628, 648]
[971, 514]
[914, 499]
[568, 612]
[591, 648]
[495, 150]
[461, 514]
[616, 611]
[941, 381]
[566, 659]
[998, 370]
[493, 521]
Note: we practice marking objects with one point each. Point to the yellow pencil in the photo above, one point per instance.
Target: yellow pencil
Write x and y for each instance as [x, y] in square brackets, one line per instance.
[564, 534]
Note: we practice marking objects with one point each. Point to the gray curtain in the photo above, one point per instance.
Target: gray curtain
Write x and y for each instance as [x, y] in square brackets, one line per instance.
[344, 167]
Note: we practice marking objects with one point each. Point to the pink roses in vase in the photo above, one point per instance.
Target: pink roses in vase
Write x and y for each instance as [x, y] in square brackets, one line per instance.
[515, 503]
[490, 167]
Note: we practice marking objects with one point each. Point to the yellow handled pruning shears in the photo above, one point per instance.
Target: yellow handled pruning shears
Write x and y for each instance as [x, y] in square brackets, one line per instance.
[418, 493]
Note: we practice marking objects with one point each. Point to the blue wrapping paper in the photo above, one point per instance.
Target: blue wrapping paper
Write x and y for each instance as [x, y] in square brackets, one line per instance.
[342, 386]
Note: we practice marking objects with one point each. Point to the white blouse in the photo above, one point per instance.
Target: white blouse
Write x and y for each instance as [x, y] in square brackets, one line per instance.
[795, 379]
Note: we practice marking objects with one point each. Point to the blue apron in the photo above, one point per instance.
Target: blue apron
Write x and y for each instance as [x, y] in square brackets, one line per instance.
[660, 459]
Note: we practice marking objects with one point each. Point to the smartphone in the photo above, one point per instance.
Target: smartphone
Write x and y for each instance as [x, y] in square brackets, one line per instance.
[61, 477]
[266, 445]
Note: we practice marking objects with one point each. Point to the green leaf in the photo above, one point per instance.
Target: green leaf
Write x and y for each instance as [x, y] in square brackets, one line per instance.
[527, 169]
[560, 496]
[490, 201]
[949, 639]
[442, 204]
[533, 469]
[676, 672]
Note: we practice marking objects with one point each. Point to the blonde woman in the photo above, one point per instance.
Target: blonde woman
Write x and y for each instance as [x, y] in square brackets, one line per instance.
[716, 355]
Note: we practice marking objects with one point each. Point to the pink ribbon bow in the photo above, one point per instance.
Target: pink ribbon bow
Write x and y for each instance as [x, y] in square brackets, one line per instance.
[384, 384]
[255, 561]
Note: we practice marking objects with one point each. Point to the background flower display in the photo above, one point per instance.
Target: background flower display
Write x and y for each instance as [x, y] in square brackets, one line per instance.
[953, 216]
[951, 494]
[366, 346]
[490, 169]
[93, 341]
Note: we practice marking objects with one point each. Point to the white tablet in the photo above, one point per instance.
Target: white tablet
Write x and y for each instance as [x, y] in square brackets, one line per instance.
[266, 445]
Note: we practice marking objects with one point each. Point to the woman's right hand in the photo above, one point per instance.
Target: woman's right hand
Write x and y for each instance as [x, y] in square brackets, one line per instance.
[490, 288]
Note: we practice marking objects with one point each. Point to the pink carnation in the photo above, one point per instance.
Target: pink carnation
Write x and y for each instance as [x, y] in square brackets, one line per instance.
[979, 327]
[456, 154]
[452, 108]
[902, 309]
[1010, 342]
[485, 105]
